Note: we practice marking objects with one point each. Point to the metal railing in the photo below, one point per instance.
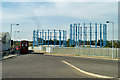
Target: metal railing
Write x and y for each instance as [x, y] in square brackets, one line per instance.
[106, 52]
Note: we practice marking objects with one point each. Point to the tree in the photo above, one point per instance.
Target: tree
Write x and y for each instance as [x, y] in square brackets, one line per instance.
[98, 43]
[109, 44]
[92, 42]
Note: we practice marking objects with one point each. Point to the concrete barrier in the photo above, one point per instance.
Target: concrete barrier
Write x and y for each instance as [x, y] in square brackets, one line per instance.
[40, 48]
[35, 48]
[29, 48]
[49, 49]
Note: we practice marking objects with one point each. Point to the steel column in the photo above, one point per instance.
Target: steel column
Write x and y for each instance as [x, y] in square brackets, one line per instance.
[48, 37]
[103, 34]
[100, 35]
[74, 34]
[80, 36]
[42, 37]
[66, 38]
[95, 35]
[33, 38]
[37, 38]
[70, 43]
[84, 34]
[54, 38]
[45, 38]
[60, 38]
[78, 33]
[63, 39]
[90, 34]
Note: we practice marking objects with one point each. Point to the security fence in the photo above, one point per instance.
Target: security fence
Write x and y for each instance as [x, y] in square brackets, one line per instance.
[106, 52]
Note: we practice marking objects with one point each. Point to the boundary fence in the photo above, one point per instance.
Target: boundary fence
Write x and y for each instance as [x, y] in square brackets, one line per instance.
[105, 52]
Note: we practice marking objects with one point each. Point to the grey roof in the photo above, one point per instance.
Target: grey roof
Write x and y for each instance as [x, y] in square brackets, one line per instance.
[3, 34]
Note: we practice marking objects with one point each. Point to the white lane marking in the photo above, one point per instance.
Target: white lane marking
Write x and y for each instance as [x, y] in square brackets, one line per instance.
[88, 73]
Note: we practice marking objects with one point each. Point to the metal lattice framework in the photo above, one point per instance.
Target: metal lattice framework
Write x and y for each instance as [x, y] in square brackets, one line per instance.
[49, 36]
[88, 32]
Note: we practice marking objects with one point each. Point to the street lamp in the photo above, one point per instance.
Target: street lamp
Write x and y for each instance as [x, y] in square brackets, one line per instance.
[11, 29]
[11, 34]
[15, 32]
[112, 37]
[15, 39]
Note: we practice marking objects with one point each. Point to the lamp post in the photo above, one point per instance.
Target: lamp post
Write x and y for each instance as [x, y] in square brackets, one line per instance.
[15, 39]
[11, 34]
[112, 37]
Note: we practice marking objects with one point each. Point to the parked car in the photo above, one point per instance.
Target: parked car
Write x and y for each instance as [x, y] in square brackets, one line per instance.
[17, 48]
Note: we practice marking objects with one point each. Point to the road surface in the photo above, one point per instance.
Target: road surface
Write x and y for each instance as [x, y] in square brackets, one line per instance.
[48, 66]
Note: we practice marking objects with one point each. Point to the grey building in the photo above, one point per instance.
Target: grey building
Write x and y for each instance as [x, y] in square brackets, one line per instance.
[5, 44]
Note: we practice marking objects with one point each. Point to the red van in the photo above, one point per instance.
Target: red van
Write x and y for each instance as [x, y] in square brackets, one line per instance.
[24, 47]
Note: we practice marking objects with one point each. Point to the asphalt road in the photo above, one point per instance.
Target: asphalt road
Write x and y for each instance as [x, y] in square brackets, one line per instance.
[47, 66]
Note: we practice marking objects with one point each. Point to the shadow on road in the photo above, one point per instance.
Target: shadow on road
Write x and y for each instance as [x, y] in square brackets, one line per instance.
[30, 51]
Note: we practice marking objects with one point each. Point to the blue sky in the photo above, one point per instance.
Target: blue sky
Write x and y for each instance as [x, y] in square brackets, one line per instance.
[56, 15]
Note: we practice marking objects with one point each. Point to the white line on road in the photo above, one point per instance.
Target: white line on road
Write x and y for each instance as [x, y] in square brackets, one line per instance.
[88, 73]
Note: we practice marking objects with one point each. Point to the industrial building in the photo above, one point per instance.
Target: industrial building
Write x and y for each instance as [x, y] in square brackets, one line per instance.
[5, 44]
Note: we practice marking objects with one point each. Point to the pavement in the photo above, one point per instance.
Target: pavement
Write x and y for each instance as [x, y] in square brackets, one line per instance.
[83, 56]
[17, 52]
[38, 65]
[9, 56]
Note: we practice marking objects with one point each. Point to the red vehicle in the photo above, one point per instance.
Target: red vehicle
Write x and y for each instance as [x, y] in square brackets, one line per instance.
[17, 47]
[24, 47]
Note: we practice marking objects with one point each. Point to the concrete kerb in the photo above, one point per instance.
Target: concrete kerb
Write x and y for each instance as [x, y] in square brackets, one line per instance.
[10, 56]
[40, 51]
[82, 56]
[96, 57]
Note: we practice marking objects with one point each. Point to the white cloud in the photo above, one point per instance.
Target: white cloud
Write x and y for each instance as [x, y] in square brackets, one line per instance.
[88, 11]
[85, 10]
